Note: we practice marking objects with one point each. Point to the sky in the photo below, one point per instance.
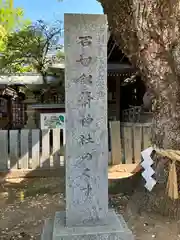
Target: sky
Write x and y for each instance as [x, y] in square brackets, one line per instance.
[50, 10]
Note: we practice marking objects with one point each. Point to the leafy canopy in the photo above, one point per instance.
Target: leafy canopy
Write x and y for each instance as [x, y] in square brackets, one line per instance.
[10, 19]
[32, 48]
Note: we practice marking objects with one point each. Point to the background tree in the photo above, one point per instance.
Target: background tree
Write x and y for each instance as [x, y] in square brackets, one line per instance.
[32, 48]
[10, 19]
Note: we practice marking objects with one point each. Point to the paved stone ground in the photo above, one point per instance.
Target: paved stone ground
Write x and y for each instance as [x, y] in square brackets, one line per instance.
[23, 219]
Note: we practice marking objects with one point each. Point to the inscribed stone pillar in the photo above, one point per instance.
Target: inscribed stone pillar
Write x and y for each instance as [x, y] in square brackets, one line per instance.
[86, 119]
[86, 216]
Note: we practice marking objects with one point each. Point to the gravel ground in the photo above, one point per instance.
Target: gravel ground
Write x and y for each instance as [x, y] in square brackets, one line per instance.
[24, 206]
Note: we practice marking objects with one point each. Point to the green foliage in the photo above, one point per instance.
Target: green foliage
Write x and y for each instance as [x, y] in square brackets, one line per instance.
[3, 35]
[10, 19]
[29, 47]
[60, 55]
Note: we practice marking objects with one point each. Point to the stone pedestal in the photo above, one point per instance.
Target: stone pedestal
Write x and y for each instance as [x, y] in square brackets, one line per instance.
[31, 113]
[87, 215]
[30, 124]
[113, 227]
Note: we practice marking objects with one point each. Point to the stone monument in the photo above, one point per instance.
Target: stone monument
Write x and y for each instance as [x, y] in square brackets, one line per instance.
[87, 215]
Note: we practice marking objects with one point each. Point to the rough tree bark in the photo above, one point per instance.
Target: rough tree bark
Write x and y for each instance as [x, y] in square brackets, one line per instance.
[148, 31]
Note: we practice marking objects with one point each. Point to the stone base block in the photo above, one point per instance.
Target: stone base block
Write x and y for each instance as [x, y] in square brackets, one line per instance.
[112, 228]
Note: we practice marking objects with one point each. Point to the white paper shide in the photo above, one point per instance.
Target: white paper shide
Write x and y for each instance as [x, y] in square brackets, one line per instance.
[148, 171]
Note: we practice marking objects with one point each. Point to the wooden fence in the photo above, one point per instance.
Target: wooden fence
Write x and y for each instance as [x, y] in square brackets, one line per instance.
[29, 150]
[26, 150]
[126, 147]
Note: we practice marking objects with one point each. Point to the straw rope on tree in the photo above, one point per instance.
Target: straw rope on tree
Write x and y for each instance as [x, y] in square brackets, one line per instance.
[172, 182]
[165, 196]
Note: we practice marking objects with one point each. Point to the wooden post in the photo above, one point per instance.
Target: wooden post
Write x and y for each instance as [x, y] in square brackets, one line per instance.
[10, 114]
[116, 150]
[118, 85]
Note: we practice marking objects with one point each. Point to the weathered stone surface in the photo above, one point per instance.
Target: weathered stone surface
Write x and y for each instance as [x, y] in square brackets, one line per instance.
[112, 228]
[86, 118]
[87, 216]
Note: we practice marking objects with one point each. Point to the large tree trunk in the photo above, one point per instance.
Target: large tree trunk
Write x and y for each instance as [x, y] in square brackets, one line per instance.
[148, 32]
